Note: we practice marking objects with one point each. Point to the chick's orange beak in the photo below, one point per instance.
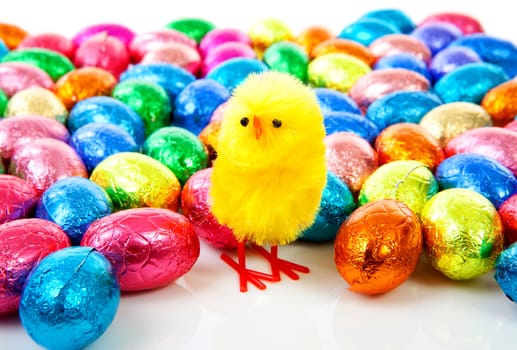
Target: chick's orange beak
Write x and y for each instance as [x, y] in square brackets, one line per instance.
[257, 125]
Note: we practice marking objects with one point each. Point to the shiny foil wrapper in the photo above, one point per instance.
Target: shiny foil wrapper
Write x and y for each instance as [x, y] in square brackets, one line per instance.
[224, 52]
[70, 299]
[449, 120]
[196, 207]
[37, 101]
[268, 31]
[494, 142]
[506, 272]
[436, 36]
[463, 233]
[22, 130]
[378, 247]
[501, 103]
[287, 57]
[179, 54]
[351, 158]
[51, 41]
[379, 83]
[18, 76]
[18, 198]
[12, 35]
[467, 24]
[508, 213]
[195, 28]
[451, 58]
[44, 161]
[399, 43]
[145, 42]
[219, 36]
[23, 243]
[407, 141]
[233, 72]
[53, 63]
[84, 83]
[312, 36]
[119, 31]
[148, 247]
[134, 180]
[338, 45]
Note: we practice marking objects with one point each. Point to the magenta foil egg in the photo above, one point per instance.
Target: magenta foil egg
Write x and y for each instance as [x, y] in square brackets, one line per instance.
[179, 54]
[399, 43]
[224, 52]
[219, 36]
[145, 42]
[147, 247]
[18, 198]
[50, 41]
[18, 76]
[119, 31]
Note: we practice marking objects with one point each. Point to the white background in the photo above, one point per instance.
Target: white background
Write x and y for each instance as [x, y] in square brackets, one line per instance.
[205, 310]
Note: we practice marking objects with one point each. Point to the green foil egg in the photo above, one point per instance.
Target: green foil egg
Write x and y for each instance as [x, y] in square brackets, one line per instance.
[408, 181]
[195, 28]
[463, 233]
[148, 99]
[178, 149]
[289, 58]
[53, 63]
[3, 103]
[338, 71]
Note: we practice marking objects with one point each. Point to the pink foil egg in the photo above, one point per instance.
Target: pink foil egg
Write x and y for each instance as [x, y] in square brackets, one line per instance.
[23, 243]
[195, 206]
[145, 42]
[399, 43]
[17, 76]
[103, 51]
[351, 158]
[17, 196]
[379, 83]
[508, 213]
[148, 247]
[119, 31]
[51, 41]
[220, 36]
[224, 52]
[21, 130]
[464, 22]
[495, 142]
[44, 161]
[511, 126]
[179, 54]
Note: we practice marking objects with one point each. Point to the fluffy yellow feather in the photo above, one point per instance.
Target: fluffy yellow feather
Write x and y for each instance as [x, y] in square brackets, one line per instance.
[270, 170]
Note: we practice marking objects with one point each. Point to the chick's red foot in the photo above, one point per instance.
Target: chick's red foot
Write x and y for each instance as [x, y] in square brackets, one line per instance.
[257, 277]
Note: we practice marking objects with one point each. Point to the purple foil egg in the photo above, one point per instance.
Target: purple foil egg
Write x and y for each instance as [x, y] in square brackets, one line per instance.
[119, 31]
[18, 198]
[18, 76]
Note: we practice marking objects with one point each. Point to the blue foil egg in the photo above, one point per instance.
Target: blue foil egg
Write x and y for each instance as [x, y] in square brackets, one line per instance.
[470, 82]
[232, 72]
[404, 60]
[195, 104]
[104, 109]
[479, 173]
[437, 36]
[395, 17]
[367, 30]
[69, 299]
[401, 107]
[74, 203]
[336, 204]
[96, 141]
[506, 272]
[331, 100]
[171, 78]
[3, 49]
[451, 58]
[351, 122]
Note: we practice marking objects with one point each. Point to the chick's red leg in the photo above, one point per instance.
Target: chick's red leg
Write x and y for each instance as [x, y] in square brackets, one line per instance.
[246, 275]
[280, 265]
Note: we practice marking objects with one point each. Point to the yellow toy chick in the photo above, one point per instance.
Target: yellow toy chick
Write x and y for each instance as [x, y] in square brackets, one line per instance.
[270, 170]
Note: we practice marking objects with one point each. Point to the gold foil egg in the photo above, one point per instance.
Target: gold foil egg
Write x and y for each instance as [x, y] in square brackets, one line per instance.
[266, 32]
[36, 101]
[501, 103]
[463, 233]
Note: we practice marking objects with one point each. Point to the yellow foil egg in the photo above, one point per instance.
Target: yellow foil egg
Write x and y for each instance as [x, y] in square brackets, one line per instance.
[463, 233]
[134, 180]
[37, 101]
[452, 119]
[268, 31]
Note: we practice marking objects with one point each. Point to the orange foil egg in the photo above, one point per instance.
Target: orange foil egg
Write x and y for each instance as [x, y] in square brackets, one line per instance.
[501, 103]
[378, 247]
[407, 141]
[11, 35]
[312, 36]
[339, 45]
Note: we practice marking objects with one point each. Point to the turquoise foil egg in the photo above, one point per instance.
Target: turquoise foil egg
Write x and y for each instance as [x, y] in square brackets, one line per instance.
[395, 17]
[232, 72]
[367, 30]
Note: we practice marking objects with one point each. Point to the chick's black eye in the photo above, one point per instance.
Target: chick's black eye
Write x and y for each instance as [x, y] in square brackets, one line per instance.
[244, 121]
[276, 123]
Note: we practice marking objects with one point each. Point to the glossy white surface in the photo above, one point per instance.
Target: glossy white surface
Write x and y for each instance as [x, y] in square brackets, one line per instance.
[205, 310]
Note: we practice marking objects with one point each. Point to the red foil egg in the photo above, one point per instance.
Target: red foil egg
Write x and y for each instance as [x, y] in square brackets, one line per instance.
[399, 43]
[178, 54]
[50, 41]
[195, 206]
[145, 42]
[18, 76]
[18, 198]
[23, 244]
[148, 247]
[508, 213]
[44, 161]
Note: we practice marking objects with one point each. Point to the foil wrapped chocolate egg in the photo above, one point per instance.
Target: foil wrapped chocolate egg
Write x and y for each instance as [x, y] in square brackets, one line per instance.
[195, 205]
[287, 57]
[312, 36]
[18, 76]
[210, 134]
[351, 158]
[50, 41]
[479, 173]
[220, 36]
[379, 83]
[119, 31]
[331, 100]
[44, 161]
[36, 101]
[268, 31]
[179, 54]
[83, 83]
[395, 17]
[407, 141]
[3, 49]
[22, 130]
[234, 71]
[449, 120]
[23, 243]
[195, 28]
[378, 247]
[406, 61]
[3, 103]
[69, 299]
[142, 43]
[350, 47]
[462, 232]
[451, 58]
[147, 247]
[498, 143]
[508, 213]
[501, 103]
[134, 180]
[224, 52]
[399, 43]
[511, 125]
[73, 204]
[467, 24]
[53, 63]
[506, 272]
[351, 122]
[367, 30]
[18, 198]
[436, 36]
[337, 203]
[12, 35]
[408, 181]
